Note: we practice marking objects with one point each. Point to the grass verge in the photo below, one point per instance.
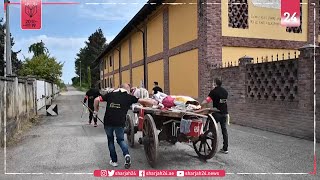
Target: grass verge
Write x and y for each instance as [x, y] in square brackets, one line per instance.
[24, 127]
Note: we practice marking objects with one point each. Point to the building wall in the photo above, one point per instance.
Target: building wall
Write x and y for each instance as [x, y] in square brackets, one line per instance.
[125, 53]
[116, 80]
[106, 67]
[176, 29]
[126, 76]
[183, 75]
[111, 81]
[232, 54]
[182, 23]
[137, 76]
[264, 23]
[155, 73]
[155, 35]
[136, 44]
[116, 59]
[160, 48]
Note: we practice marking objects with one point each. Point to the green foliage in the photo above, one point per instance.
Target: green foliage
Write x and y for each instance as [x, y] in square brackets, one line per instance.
[43, 66]
[75, 81]
[16, 63]
[84, 86]
[89, 76]
[94, 46]
[38, 49]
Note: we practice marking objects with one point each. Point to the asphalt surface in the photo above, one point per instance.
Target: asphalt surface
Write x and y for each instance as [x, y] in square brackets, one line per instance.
[66, 144]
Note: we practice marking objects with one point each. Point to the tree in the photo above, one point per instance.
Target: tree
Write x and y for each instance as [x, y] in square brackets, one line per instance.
[16, 63]
[94, 46]
[43, 66]
[89, 77]
[38, 49]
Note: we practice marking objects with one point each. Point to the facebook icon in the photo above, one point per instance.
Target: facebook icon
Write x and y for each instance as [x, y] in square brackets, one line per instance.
[142, 173]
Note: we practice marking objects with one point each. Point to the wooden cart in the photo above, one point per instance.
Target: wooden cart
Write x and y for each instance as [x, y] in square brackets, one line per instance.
[150, 121]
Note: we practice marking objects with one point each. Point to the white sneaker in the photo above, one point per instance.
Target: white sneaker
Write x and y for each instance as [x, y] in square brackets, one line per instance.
[114, 164]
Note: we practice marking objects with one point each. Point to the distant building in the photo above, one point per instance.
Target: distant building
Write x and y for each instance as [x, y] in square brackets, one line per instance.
[183, 42]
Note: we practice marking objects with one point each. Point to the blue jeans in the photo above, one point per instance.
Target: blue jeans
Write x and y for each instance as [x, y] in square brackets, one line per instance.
[119, 131]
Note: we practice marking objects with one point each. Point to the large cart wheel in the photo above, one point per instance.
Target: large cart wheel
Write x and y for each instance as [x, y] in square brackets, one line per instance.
[150, 140]
[207, 144]
[130, 130]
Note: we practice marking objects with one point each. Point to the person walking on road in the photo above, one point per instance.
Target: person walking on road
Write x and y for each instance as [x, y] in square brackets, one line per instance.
[218, 96]
[91, 94]
[118, 103]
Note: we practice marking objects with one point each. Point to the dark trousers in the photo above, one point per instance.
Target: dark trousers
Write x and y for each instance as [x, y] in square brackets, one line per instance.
[91, 115]
[222, 119]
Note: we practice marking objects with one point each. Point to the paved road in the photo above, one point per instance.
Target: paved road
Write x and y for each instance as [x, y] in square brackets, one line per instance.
[65, 144]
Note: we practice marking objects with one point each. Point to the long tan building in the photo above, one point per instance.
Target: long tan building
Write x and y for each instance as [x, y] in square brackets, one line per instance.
[177, 42]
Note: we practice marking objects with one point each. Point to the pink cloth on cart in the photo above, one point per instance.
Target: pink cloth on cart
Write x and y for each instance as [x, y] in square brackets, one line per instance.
[168, 102]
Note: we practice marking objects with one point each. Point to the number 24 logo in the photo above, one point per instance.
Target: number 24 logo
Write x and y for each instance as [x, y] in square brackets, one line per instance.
[289, 17]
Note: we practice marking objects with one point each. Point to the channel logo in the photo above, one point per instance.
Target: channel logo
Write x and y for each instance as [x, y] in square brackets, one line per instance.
[180, 173]
[142, 173]
[111, 173]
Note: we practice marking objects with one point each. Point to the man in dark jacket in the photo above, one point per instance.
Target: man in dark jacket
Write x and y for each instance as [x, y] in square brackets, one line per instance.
[156, 88]
[218, 96]
[91, 94]
[118, 104]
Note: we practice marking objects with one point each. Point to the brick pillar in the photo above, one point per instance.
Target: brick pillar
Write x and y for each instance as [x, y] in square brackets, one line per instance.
[166, 50]
[306, 75]
[243, 61]
[212, 52]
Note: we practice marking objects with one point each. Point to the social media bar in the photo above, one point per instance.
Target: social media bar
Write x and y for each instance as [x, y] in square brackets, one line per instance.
[159, 173]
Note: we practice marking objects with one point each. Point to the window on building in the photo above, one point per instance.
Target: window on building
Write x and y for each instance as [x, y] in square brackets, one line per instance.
[296, 29]
[110, 61]
[238, 14]
[105, 64]
[105, 83]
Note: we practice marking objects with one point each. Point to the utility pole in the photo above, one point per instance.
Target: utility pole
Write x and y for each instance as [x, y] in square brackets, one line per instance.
[7, 39]
[80, 74]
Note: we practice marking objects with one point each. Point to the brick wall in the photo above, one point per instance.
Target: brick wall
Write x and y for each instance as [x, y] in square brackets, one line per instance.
[294, 118]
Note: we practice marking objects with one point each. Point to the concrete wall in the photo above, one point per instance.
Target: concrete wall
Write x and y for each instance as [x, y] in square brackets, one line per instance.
[24, 97]
[45, 93]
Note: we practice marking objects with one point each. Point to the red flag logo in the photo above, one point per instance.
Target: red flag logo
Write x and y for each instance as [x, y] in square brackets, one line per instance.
[31, 14]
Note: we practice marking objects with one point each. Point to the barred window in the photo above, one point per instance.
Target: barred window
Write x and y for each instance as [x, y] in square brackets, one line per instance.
[238, 14]
[296, 29]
